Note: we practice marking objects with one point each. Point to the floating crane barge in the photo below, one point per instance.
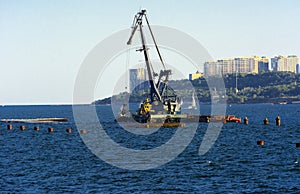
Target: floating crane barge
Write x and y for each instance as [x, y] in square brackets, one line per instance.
[163, 107]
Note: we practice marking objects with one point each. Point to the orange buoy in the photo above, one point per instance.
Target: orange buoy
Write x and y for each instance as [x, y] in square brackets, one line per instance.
[69, 130]
[297, 145]
[83, 131]
[277, 121]
[50, 129]
[246, 121]
[260, 142]
[22, 127]
[266, 121]
[36, 128]
[9, 127]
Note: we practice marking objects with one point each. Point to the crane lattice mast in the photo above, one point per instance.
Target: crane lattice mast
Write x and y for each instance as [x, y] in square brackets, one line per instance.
[157, 89]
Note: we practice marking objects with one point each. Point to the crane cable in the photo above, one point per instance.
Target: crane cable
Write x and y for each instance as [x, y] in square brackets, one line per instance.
[160, 57]
[127, 72]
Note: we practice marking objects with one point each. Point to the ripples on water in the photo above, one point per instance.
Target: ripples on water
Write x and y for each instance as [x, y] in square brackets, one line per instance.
[38, 161]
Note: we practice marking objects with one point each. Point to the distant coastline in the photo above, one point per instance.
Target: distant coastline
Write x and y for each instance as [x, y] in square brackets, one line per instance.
[269, 87]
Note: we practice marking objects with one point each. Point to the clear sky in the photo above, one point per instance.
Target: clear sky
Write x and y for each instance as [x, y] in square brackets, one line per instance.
[43, 43]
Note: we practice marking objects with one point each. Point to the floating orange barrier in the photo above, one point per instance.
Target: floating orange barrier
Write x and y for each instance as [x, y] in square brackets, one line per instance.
[50, 129]
[36, 128]
[22, 127]
[69, 130]
[83, 131]
[232, 118]
[155, 125]
[297, 145]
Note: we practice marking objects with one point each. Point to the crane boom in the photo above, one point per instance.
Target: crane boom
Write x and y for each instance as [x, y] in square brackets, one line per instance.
[132, 33]
[155, 95]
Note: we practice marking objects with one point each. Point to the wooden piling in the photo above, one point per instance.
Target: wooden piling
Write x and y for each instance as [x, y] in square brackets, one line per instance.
[266, 121]
[9, 127]
[260, 142]
[207, 119]
[277, 121]
[246, 121]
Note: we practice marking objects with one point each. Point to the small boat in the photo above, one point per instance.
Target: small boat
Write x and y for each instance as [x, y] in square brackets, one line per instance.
[194, 105]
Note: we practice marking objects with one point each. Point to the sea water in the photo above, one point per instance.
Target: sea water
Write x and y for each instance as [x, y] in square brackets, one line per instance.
[39, 161]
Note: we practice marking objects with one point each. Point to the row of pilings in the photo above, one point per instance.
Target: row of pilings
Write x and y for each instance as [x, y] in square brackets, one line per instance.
[262, 143]
[37, 128]
[265, 121]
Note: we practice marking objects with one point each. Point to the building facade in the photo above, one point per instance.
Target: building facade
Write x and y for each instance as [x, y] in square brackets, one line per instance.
[196, 75]
[212, 68]
[137, 79]
[253, 64]
[263, 65]
[285, 63]
[226, 66]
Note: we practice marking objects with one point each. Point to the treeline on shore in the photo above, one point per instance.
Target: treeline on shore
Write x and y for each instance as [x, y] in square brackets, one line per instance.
[268, 87]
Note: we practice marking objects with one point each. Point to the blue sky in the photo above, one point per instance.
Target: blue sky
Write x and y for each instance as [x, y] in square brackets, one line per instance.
[43, 43]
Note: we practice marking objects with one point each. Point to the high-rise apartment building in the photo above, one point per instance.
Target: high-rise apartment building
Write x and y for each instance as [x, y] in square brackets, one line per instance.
[212, 68]
[252, 64]
[137, 79]
[292, 62]
[284, 63]
[263, 64]
[227, 66]
[298, 68]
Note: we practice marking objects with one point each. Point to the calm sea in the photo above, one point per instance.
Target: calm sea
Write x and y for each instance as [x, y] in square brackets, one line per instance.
[39, 161]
